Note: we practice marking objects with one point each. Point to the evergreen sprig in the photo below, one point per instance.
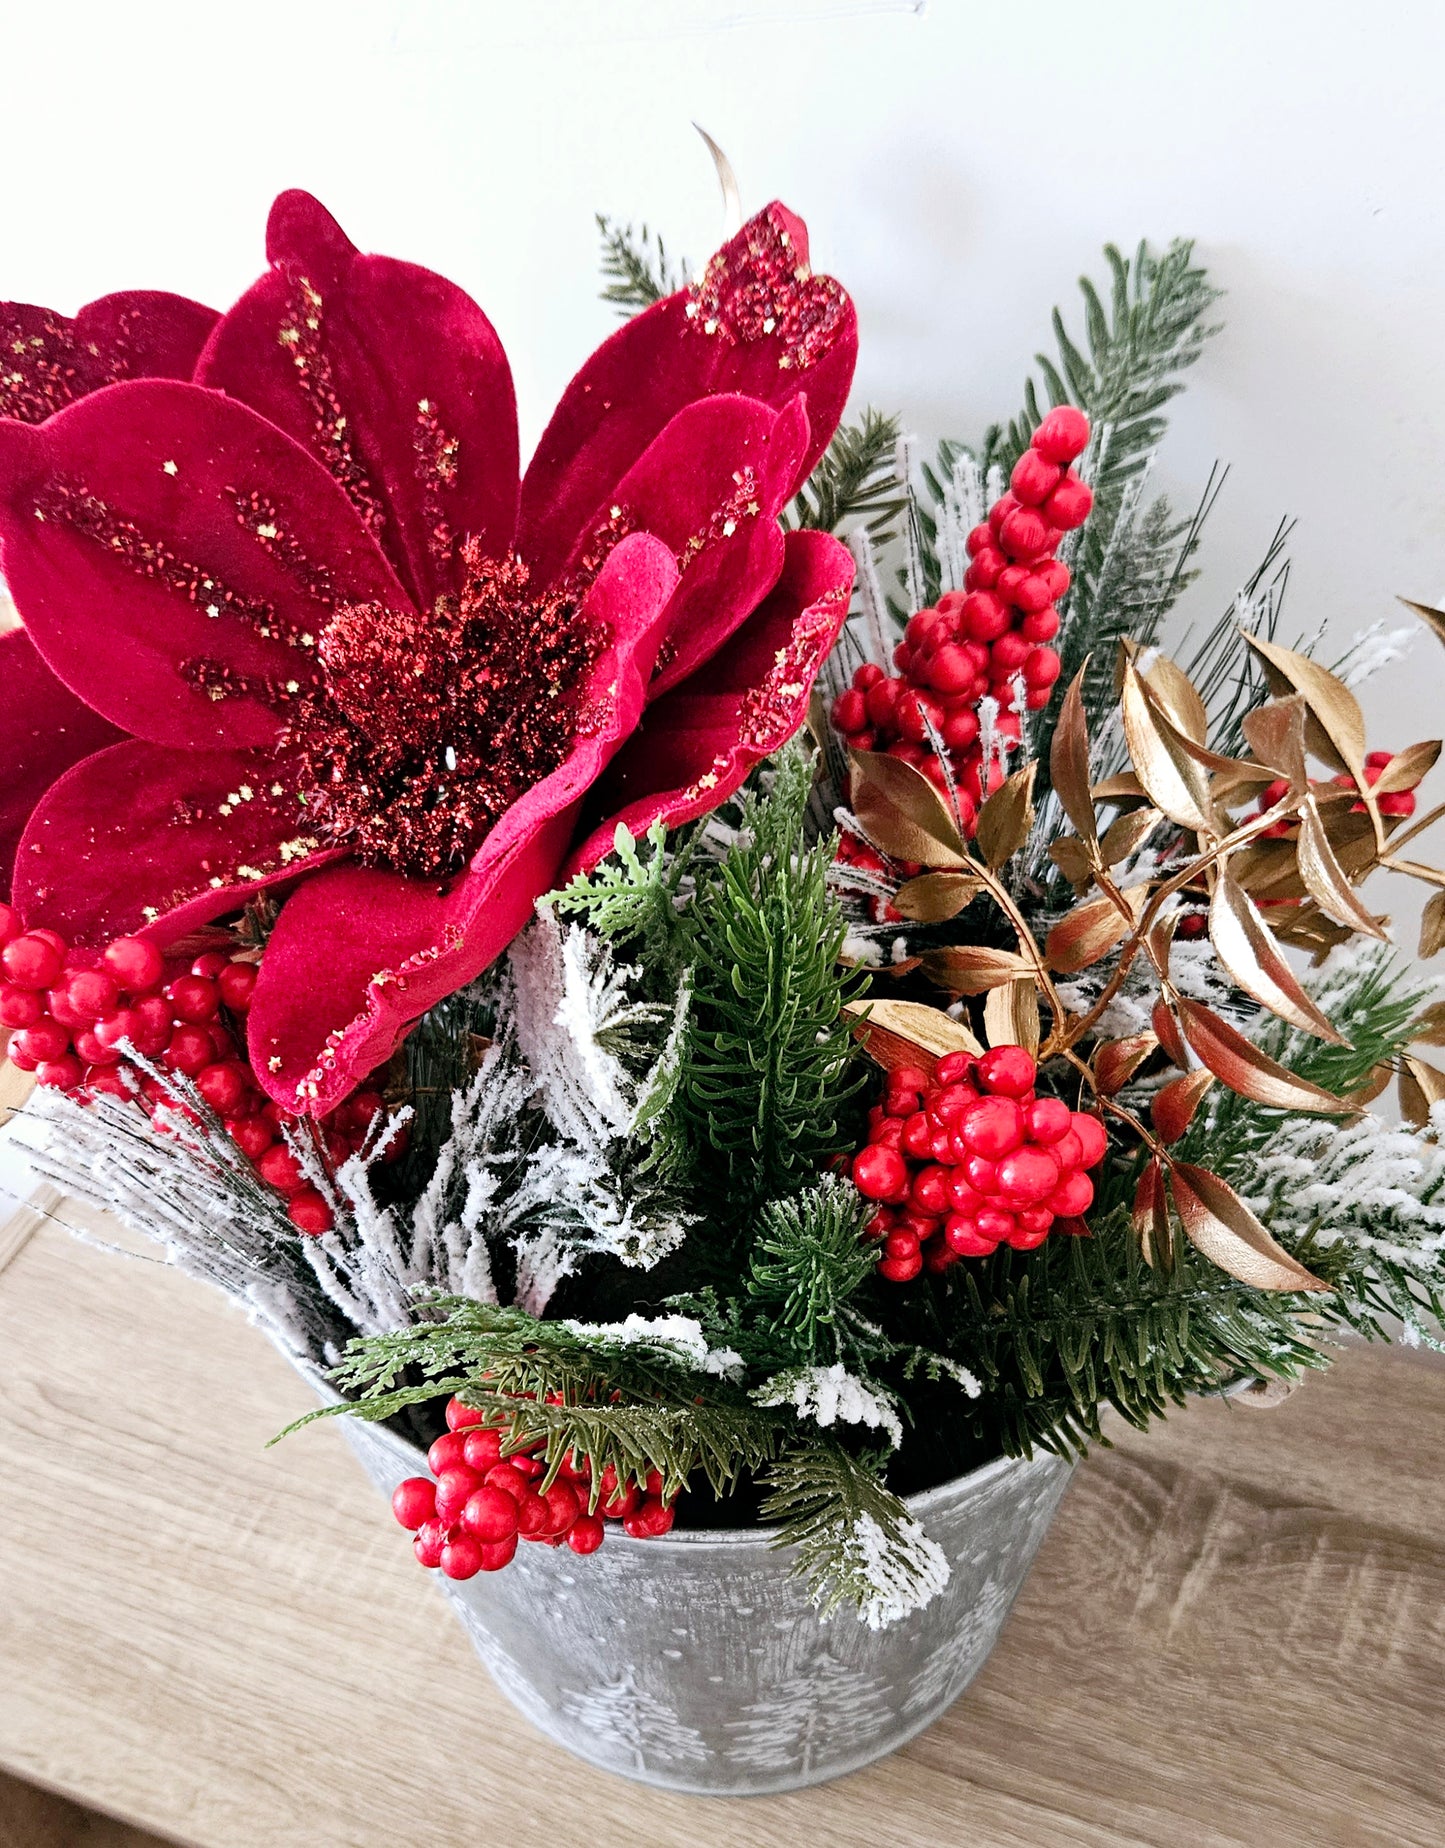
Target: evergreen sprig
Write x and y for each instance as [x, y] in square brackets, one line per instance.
[629, 1404]
[809, 1257]
[634, 897]
[856, 1541]
[636, 265]
[769, 1066]
[856, 482]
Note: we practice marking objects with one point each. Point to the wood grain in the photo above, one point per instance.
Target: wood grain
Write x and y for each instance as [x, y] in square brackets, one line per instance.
[1233, 1636]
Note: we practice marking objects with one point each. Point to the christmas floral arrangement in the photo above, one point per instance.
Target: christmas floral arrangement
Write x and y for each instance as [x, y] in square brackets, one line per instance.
[730, 977]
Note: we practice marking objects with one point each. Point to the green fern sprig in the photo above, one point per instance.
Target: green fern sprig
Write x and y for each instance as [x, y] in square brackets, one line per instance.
[636, 266]
[856, 483]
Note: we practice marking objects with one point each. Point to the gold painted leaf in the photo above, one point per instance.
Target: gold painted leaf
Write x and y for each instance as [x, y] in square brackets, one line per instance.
[1125, 787]
[1005, 819]
[932, 897]
[1221, 1226]
[1432, 618]
[1175, 693]
[1071, 857]
[1245, 945]
[1408, 767]
[894, 1033]
[1150, 1218]
[1171, 778]
[1175, 1103]
[1330, 701]
[1421, 1085]
[1275, 732]
[1325, 879]
[902, 812]
[974, 968]
[1069, 760]
[1123, 836]
[1429, 1026]
[1245, 1069]
[1011, 1015]
[1432, 924]
[1166, 1031]
[1085, 934]
[1116, 1061]
[1374, 1086]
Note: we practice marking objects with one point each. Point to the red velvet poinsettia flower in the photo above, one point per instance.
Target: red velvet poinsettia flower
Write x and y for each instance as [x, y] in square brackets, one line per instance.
[47, 361]
[355, 657]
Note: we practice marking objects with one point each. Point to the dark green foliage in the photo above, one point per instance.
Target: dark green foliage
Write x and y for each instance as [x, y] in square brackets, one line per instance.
[634, 898]
[769, 1067]
[1082, 1322]
[808, 1259]
[638, 269]
[856, 482]
[630, 1404]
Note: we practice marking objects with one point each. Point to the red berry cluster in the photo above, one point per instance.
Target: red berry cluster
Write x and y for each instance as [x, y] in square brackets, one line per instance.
[68, 1011]
[970, 1158]
[469, 1514]
[1399, 802]
[978, 641]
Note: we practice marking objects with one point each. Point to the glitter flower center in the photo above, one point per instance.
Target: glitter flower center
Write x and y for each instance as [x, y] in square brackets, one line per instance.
[426, 728]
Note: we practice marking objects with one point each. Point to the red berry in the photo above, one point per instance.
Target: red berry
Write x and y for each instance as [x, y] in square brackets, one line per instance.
[279, 1168]
[135, 963]
[963, 1238]
[1007, 1070]
[994, 1127]
[414, 1501]
[880, 1173]
[9, 923]
[211, 963]
[1073, 1196]
[1070, 503]
[563, 1508]
[1024, 533]
[985, 616]
[455, 1487]
[482, 1449]
[1093, 1138]
[490, 1514]
[510, 1480]
[235, 982]
[1027, 1175]
[92, 994]
[194, 998]
[1041, 667]
[445, 1453]
[108, 1079]
[981, 1174]
[1062, 435]
[461, 1556]
[310, 1212]
[20, 1059]
[1034, 1221]
[954, 1067]
[994, 1223]
[189, 1050]
[252, 1135]
[498, 1554]
[32, 961]
[46, 1040]
[902, 1269]
[430, 1539]
[1048, 1120]
[62, 1074]
[89, 1048]
[19, 1007]
[929, 1192]
[1042, 626]
[460, 1417]
[1034, 478]
[223, 1086]
[586, 1534]
[651, 1520]
[1068, 1152]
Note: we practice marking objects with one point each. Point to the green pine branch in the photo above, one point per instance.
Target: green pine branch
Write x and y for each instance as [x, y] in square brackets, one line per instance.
[809, 1258]
[769, 1067]
[636, 266]
[856, 482]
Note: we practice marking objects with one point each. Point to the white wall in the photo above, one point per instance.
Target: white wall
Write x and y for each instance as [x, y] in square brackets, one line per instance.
[959, 167]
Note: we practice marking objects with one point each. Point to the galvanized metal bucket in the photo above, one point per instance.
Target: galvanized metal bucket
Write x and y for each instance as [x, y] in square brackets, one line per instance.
[695, 1662]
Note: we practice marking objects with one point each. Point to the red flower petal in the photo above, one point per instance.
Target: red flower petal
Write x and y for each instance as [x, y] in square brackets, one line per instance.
[44, 729]
[142, 836]
[48, 360]
[712, 487]
[126, 519]
[392, 377]
[753, 326]
[698, 743]
[358, 954]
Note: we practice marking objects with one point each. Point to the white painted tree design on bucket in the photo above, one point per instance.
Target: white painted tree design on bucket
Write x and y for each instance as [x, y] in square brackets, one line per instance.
[823, 1715]
[633, 1728]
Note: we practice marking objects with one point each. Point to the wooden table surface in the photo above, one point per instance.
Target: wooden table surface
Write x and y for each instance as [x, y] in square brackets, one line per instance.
[1235, 1632]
